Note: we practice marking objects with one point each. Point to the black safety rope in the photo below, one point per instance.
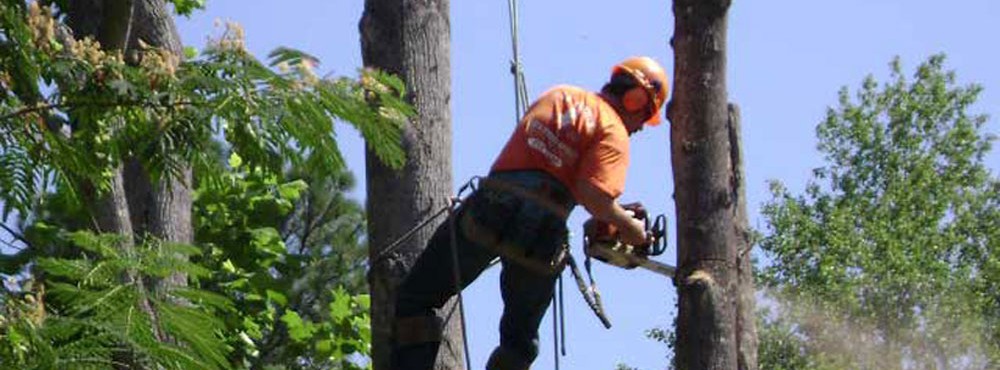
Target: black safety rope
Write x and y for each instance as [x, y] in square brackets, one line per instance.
[458, 278]
[469, 186]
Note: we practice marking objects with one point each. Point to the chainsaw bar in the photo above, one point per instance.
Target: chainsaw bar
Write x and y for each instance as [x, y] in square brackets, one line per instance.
[624, 256]
[659, 268]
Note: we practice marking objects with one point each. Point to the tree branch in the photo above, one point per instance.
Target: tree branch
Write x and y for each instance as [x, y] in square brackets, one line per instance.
[46, 107]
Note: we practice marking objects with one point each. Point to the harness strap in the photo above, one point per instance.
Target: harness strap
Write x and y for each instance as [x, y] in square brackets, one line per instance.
[544, 198]
[484, 236]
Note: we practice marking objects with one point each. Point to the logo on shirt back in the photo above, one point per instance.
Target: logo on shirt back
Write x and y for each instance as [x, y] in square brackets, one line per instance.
[557, 148]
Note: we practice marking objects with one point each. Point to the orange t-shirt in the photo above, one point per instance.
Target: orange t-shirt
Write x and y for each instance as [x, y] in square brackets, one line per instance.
[572, 134]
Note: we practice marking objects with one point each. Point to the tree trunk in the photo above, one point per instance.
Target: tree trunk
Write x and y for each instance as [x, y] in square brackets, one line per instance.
[410, 38]
[706, 196]
[163, 209]
[746, 306]
[133, 206]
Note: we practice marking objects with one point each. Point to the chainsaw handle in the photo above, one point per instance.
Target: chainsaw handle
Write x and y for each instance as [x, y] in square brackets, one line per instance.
[659, 232]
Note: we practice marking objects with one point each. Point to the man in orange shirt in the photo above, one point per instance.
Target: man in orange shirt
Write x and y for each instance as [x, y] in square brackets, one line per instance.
[571, 147]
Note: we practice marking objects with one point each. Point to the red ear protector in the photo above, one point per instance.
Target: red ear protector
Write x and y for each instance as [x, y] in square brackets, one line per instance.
[640, 97]
[635, 99]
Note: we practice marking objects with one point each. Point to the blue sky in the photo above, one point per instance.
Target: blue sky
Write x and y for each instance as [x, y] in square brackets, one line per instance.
[787, 60]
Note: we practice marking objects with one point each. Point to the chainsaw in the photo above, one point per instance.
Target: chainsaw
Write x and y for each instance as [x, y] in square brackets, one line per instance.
[601, 241]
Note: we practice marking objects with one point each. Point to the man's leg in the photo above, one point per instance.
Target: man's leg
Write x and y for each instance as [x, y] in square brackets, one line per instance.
[526, 296]
[430, 283]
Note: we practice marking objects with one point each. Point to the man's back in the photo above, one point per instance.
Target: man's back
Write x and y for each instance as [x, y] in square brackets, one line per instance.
[572, 134]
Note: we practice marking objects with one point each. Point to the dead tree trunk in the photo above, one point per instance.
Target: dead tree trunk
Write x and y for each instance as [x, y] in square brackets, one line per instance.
[707, 196]
[410, 38]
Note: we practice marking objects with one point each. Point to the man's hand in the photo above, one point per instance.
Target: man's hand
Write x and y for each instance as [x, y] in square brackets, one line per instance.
[603, 207]
[637, 209]
[635, 231]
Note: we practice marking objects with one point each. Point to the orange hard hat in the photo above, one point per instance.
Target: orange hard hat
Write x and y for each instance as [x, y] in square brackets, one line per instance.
[653, 79]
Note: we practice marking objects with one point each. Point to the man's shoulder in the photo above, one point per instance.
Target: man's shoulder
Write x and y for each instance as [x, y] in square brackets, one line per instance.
[561, 91]
[575, 95]
[592, 107]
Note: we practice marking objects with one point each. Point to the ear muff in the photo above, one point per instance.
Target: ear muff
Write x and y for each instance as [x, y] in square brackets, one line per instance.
[635, 99]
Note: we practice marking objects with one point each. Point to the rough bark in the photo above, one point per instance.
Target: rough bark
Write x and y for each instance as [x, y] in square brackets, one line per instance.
[746, 325]
[410, 38]
[705, 196]
[134, 206]
[163, 209]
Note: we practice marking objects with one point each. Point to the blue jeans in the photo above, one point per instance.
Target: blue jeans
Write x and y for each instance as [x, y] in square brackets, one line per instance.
[522, 223]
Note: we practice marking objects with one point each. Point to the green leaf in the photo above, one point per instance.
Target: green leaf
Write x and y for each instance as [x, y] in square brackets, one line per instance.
[190, 52]
[340, 308]
[292, 190]
[298, 330]
[228, 266]
[235, 161]
[252, 328]
[364, 301]
[267, 240]
[186, 7]
[204, 298]
[277, 297]
[291, 56]
[324, 347]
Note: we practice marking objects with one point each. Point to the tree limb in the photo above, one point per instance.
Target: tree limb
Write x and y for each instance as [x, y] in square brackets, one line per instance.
[46, 107]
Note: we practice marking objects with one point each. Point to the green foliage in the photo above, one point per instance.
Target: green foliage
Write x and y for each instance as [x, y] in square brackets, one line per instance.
[104, 107]
[889, 258]
[90, 311]
[276, 273]
[329, 229]
[274, 295]
[288, 313]
[186, 7]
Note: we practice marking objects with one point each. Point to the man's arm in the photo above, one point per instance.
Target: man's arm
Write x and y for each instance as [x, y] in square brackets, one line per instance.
[603, 207]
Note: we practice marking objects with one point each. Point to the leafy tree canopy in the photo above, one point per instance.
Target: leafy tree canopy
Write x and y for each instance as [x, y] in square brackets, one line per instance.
[890, 259]
[70, 110]
[262, 290]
